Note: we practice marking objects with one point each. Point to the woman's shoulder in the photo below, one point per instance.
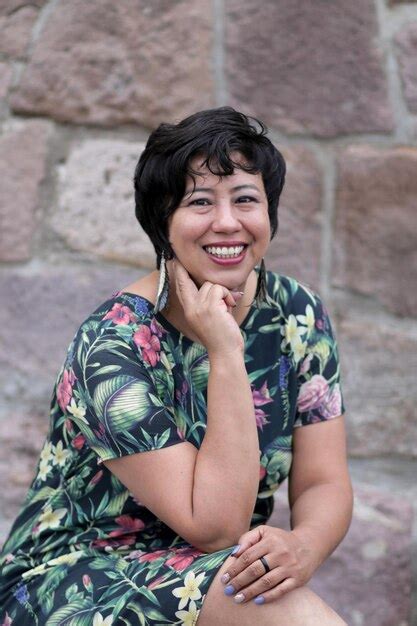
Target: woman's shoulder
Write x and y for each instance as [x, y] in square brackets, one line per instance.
[293, 295]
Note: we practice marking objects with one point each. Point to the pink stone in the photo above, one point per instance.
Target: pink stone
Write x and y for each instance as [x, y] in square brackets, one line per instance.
[308, 67]
[104, 62]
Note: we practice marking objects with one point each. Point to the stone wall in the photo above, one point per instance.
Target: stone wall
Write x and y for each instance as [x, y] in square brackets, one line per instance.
[81, 86]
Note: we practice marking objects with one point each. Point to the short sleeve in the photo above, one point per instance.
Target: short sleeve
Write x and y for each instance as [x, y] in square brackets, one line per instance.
[123, 412]
[319, 390]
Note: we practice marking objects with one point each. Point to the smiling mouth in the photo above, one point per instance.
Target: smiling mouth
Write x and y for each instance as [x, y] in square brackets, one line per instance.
[224, 252]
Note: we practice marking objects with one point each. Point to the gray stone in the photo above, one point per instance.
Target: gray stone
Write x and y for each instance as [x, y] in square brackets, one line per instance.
[378, 365]
[406, 45]
[16, 22]
[104, 62]
[295, 249]
[367, 579]
[6, 74]
[40, 312]
[96, 204]
[23, 152]
[375, 235]
[308, 67]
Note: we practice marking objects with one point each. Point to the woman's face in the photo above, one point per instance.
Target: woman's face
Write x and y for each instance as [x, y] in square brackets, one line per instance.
[228, 212]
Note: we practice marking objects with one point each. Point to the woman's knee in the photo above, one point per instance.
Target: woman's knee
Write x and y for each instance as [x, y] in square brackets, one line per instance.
[300, 607]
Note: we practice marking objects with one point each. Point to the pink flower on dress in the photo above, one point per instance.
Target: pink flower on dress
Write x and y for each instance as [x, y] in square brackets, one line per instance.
[260, 397]
[128, 525]
[126, 540]
[332, 404]
[78, 441]
[64, 388]
[262, 472]
[156, 328]
[120, 314]
[312, 393]
[155, 582]
[7, 620]
[182, 558]
[152, 556]
[149, 343]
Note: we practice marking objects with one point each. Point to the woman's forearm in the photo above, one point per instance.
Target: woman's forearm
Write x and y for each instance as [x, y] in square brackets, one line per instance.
[226, 475]
[321, 516]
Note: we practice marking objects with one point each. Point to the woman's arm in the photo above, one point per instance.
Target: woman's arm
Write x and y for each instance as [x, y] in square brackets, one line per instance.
[320, 490]
[321, 508]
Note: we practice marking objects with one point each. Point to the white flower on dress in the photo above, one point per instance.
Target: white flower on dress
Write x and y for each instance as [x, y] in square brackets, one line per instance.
[61, 454]
[77, 411]
[47, 454]
[44, 469]
[191, 590]
[308, 319]
[99, 621]
[188, 618]
[292, 335]
[50, 518]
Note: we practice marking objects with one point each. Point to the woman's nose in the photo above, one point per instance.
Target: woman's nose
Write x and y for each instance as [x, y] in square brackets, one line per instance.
[226, 217]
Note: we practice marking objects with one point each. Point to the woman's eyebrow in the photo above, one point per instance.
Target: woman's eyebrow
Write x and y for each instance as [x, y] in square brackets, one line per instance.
[208, 190]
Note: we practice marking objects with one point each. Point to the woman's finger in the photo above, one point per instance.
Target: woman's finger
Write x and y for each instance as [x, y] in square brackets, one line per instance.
[263, 584]
[275, 593]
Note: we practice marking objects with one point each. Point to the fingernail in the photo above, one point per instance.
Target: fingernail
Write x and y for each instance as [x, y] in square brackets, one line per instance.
[239, 598]
[235, 549]
[225, 578]
[259, 600]
[242, 293]
[229, 590]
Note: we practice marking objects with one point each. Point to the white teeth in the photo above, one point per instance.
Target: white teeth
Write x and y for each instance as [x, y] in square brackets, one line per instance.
[225, 252]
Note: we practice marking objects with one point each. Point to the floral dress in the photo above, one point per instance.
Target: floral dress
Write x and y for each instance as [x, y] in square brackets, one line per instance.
[83, 551]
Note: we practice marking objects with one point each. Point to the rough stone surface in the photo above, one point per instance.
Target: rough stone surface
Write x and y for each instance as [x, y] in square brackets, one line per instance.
[375, 235]
[40, 312]
[16, 22]
[23, 152]
[96, 207]
[105, 62]
[367, 579]
[406, 43]
[295, 249]
[6, 74]
[322, 74]
[379, 362]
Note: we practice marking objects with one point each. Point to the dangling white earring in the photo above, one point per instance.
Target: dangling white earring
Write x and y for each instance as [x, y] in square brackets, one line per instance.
[163, 286]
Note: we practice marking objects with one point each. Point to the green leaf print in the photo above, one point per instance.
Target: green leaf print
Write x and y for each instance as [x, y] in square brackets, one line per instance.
[122, 401]
[77, 613]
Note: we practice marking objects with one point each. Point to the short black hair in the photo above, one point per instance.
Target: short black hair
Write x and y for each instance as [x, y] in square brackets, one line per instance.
[160, 174]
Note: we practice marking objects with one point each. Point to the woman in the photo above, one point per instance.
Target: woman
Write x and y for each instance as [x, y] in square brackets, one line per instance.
[122, 525]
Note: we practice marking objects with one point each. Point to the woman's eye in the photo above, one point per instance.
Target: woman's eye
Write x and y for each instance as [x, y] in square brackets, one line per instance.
[199, 201]
[246, 199]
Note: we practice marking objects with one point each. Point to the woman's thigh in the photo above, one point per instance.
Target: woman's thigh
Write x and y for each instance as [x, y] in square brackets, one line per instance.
[300, 607]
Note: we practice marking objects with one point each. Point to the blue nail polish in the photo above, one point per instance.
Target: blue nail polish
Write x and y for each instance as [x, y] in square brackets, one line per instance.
[229, 590]
[259, 600]
[235, 549]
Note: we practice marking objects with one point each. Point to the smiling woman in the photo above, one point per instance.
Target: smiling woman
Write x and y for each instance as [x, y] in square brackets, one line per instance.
[180, 408]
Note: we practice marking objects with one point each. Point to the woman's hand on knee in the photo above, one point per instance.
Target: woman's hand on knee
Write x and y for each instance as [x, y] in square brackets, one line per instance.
[291, 564]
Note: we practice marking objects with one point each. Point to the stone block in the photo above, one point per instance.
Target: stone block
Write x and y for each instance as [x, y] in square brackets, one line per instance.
[106, 63]
[296, 248]
[6, 75]
[307, 67]
[16, 22]
[379, 362]
[96, 206]
[375, 235]
[40, 313]
[367, 579]
[23, 152]
[406, 46]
